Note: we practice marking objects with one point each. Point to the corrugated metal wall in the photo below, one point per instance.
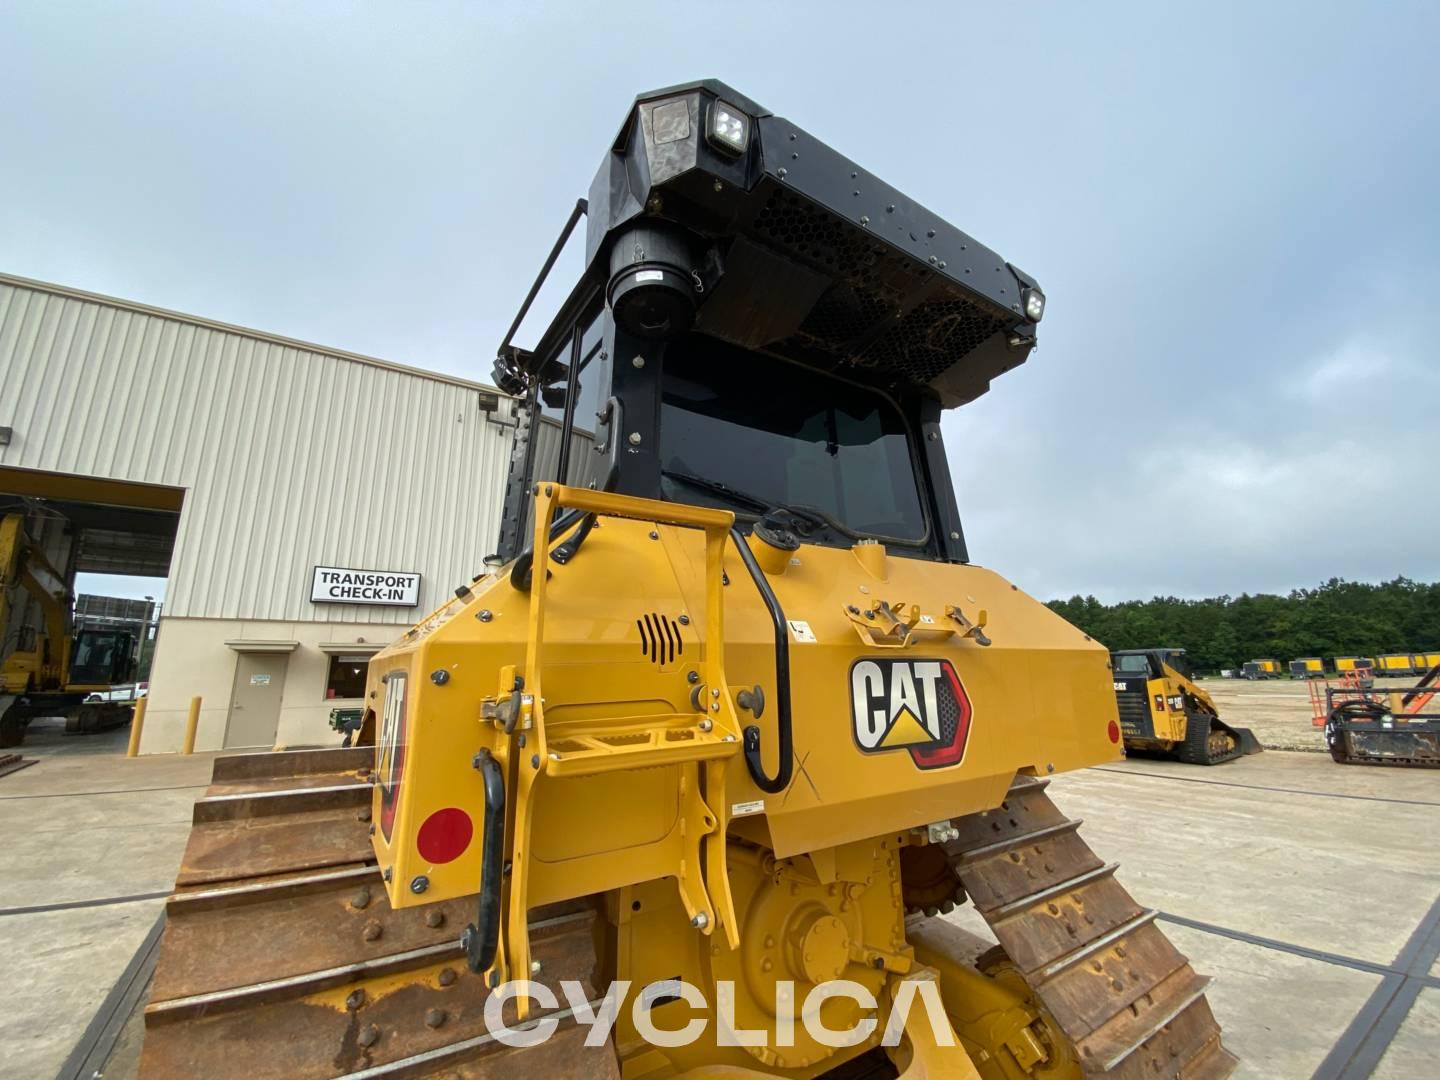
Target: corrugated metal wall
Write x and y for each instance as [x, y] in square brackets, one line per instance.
[289, 455]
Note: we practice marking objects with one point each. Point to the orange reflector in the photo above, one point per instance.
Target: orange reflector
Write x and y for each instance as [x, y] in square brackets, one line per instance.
[445, 835]
[1114, 731]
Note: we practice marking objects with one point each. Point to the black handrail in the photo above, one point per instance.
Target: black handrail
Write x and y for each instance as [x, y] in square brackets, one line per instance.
[781, 780]
[581, 207]
[481, 939]
[520, 572]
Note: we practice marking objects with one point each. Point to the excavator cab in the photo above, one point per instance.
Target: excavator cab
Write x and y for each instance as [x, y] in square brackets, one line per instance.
[729, 722]
[102, 658]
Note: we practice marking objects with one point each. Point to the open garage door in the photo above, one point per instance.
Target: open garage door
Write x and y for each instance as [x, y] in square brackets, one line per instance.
[55, 526]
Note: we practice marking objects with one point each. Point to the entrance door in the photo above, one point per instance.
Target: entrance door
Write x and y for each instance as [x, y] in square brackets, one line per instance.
[255, 701]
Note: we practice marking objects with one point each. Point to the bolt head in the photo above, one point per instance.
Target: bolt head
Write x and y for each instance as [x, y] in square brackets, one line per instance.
[355, 1000]
[706, 725]
[434, 1017]
[447, 976]
[372, 931]
[360, 898]
[535, 967]
[634, 438]
[485, 615]
[439, 676]
[434, 919]
[369, 1036]
[700, 921]
[638, 362]
[419, 883]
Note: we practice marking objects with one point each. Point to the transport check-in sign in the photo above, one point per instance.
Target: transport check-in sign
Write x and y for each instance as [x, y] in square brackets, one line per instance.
[341, 585]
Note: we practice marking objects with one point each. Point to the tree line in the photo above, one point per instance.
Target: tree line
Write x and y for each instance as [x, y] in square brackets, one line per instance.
[1338, 618]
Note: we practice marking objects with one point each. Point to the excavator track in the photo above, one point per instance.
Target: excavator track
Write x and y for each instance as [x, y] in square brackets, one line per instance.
[281, 955]
[1094, 959]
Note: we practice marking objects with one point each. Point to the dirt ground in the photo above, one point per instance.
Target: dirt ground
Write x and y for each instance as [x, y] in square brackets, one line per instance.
[1277, 711]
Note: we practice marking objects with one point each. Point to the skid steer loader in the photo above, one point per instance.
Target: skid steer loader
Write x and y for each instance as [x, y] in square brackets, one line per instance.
[1163, 711]
[685, 782]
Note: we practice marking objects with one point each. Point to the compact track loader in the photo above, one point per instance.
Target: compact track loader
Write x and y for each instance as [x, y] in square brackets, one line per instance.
[1164, 711]
[731, 722]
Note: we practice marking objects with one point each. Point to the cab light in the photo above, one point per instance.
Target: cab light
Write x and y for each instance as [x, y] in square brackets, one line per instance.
[728, 128]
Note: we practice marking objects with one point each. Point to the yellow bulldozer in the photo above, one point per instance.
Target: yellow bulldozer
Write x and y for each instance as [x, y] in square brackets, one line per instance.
[689, 780]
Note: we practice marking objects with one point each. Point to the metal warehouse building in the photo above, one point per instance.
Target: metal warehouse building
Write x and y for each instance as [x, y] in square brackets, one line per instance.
[303, 503]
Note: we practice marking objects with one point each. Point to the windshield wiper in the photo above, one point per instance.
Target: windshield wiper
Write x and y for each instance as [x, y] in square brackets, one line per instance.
[753, 502]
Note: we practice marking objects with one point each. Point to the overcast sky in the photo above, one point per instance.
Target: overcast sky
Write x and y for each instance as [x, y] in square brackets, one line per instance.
[1233, 212]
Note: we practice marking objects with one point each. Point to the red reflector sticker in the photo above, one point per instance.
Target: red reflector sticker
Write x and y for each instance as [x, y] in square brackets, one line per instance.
[1113, 731]
[445, 835]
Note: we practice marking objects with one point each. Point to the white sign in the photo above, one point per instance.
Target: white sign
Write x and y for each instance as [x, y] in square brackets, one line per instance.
[338, 585]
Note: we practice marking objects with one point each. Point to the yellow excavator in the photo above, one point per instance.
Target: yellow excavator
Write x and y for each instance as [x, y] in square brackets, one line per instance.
[52, 670]
[1164, 711]
[691, 781]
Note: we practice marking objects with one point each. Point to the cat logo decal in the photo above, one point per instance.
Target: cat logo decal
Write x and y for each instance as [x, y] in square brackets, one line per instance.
[918, 706]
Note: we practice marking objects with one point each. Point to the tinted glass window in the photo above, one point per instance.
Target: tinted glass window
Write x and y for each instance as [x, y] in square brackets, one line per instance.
[785, 435]
[346, 676]
[593, 389]
[1132, 665]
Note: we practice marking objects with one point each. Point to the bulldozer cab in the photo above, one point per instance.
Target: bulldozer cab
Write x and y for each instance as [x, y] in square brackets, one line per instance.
[762, 326]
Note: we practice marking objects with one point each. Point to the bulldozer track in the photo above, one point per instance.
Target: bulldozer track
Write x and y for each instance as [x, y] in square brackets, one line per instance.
[1094, 959]
[281, 954]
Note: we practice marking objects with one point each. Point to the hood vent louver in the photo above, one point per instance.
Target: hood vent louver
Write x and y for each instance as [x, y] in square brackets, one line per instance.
[660, 638]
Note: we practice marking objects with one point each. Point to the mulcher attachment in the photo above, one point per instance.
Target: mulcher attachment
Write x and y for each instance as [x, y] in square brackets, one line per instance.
[1124, 996]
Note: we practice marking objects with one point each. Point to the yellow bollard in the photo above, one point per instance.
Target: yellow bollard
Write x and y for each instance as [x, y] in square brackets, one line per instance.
[137, 724]
[192, 722]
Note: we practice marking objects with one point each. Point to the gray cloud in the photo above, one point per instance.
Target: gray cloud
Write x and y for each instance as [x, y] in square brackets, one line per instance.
[1231, 209]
